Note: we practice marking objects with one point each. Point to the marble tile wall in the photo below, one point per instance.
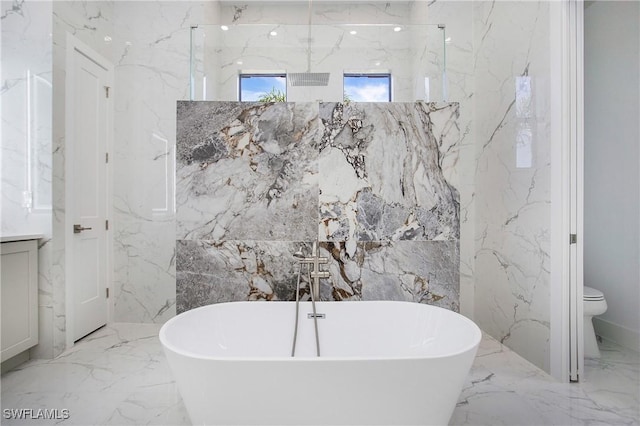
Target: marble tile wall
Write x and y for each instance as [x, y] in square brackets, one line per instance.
[460, 78]
[324, 12]
[26, 145]
[512, 176]
[375, 183]
[504, 216]
[407, 54]
[151, 58]
[26, 118]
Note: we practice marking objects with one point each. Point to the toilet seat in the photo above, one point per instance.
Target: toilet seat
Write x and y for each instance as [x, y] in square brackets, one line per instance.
[591, 294]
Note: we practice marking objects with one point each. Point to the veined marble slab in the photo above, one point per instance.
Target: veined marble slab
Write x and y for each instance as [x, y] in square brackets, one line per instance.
[512, 197]
[414, 271]
[211, 272]
[247, 171]
[419, 271]
[382, 171]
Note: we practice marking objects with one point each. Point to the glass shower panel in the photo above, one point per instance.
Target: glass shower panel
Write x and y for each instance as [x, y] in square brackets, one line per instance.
[414, 55]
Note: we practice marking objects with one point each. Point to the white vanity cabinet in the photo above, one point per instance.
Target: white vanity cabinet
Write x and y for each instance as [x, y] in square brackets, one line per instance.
[18, 297]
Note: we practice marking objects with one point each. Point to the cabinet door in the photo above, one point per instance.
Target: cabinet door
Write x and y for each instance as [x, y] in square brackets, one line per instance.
[19, 297]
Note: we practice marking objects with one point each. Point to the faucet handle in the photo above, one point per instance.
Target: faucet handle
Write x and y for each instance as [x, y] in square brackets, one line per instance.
[320, 274]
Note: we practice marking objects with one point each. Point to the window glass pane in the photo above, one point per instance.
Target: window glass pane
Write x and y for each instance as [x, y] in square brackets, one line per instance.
[254, 87]
[367, 87]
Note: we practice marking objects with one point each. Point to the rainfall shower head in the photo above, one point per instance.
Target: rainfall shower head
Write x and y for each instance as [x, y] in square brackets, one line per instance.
[308, 78]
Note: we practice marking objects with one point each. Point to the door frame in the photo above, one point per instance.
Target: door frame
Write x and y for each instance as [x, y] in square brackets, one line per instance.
[74, 45]
[567, 136]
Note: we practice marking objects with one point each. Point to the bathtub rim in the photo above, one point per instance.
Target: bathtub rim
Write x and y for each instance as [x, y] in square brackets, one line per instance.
[467, 348]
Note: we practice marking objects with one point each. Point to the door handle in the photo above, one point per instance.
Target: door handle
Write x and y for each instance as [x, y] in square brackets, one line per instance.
[78, 229]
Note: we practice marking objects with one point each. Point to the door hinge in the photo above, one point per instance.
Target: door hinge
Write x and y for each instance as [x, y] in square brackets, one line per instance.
[106, 90]
[106, 157]
[107, 292]
[573, 238]
[106, 225]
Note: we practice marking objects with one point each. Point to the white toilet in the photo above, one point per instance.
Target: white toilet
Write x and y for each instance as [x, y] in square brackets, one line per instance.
[594, 304]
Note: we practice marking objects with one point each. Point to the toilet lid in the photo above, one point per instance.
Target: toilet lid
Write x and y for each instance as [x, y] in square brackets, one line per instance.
[592, 294]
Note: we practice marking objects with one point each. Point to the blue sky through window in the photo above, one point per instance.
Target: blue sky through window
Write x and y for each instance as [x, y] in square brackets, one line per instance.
[368, 87]
[253, 86]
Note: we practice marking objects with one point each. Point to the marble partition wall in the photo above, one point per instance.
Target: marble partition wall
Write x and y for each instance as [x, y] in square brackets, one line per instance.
[374, 183]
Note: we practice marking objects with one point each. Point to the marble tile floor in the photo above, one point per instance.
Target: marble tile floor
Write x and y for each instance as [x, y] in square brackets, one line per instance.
[505, 389]
[119, 376]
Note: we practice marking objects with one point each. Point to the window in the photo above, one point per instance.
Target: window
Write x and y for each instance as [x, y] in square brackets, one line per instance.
[367, 87]
[263, 87]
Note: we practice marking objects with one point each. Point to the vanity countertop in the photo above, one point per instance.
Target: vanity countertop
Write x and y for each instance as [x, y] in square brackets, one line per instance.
[19, 237]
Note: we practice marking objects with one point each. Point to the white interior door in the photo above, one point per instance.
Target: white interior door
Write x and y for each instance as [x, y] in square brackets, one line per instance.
[89, 109]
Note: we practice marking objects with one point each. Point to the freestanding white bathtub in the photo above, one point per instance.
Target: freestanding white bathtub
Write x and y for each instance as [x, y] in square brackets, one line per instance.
[381, 363]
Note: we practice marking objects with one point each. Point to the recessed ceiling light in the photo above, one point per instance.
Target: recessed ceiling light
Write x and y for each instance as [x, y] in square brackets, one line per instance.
[378, 64]
[107, 38]
[447, 40]
[396, 29]
[239, 62]
[273, 33]
[224, 28]
[353, 32]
